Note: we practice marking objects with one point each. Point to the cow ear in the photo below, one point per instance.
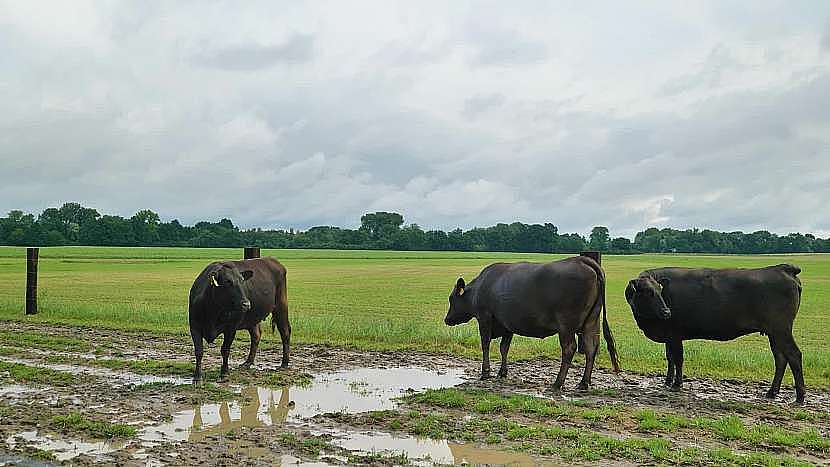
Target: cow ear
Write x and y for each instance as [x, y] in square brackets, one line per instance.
[459, 285]
[664, 282]
[247, 274]
[630, 290]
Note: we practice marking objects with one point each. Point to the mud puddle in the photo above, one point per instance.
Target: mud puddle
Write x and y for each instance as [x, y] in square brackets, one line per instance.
[428, 452]
[64, 449]
[349, 391]
[118, 378]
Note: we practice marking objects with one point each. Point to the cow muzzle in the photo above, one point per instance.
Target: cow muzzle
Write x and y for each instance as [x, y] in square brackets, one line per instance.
[246, 306]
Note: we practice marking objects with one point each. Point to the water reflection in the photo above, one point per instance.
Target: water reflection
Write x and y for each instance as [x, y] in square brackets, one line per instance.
[260, 407]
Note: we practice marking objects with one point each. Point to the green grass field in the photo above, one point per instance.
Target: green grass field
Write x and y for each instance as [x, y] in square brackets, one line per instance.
[388, 300]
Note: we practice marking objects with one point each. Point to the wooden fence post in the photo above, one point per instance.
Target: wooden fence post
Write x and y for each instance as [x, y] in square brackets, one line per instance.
[251, 252]
[31, 280]
[596, 256]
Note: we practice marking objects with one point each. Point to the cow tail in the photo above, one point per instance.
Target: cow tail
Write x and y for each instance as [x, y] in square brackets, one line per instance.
[282, 303]
[606, 329]
[606, 333]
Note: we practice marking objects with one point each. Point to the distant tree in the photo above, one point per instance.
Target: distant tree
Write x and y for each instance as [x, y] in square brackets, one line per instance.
[599, 240]
[381, 225]
[621, 245]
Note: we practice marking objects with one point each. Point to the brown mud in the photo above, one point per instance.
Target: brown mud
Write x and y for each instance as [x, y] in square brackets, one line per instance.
[245, 423]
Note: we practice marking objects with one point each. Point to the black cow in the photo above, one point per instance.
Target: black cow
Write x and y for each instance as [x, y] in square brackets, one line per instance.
[228, 296]
[671, 305]
[536, 300]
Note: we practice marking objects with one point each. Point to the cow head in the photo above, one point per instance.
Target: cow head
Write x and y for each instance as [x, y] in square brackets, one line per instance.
[461, 308]
[229, 292]
[645, 296]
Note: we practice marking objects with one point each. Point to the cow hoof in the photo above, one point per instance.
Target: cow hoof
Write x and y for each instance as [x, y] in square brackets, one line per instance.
[554, 390]
[502, 374]
[675, 388]
[197, 381]
[771, 394]
[222, 378]
[582, 386]
[245, 366]
[284, 365]
[484, 376]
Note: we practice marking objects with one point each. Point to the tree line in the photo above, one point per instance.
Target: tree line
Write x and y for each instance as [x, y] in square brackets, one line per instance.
[73, 224]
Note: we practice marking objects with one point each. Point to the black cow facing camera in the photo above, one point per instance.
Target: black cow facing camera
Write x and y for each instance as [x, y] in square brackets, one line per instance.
[671, 305]
[229, 296]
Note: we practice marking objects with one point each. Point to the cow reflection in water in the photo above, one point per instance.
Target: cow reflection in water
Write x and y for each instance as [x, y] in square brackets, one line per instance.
[277, 411]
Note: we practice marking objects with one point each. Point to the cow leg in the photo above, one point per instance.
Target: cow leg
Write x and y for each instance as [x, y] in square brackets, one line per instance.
[591, 340]
[198, 349]
[504, 347]
[677, 358]
[226, 353]
[567, 343]
[285, 335]
[670, 367]
[780, 366]
[256, 334]
[793, 355]
[484, 331]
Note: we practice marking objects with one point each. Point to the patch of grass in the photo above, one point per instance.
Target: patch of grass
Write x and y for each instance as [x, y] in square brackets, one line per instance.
[41, 455]
[432, 426]
[601, 414]
[205, 392]
[30, 374]
[379, 458]
[154, 386]
[28, 340]
[484, 402]
[649, 420]
[447, 398]
[731, 428]
[311, 445]
[79, 423]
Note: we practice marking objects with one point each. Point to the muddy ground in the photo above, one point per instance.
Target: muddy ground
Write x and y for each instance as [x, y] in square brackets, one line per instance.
[339, 407]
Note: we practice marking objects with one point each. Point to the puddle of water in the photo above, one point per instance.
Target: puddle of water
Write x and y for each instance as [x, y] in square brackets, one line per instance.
[350, 391]
[117, 377]
[427, 451]
[63, 449]
[15, 390]
[21, 461]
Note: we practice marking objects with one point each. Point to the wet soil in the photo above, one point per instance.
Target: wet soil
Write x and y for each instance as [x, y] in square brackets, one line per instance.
[243, 422]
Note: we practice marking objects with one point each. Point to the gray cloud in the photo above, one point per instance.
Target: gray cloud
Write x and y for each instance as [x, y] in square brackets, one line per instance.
[430, 111]
[478, 104]
[298, 48]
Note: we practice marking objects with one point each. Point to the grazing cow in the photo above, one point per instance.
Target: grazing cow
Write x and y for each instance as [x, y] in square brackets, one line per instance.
[671, 305]
[228, 296]
[536, 300]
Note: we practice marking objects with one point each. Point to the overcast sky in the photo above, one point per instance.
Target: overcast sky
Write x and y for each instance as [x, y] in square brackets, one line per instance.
[455, 114]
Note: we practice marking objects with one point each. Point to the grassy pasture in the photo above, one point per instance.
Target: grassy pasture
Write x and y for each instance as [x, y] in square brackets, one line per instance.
[388, 300]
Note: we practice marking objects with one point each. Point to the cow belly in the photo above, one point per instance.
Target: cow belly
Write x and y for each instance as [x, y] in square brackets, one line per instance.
[531, 326]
